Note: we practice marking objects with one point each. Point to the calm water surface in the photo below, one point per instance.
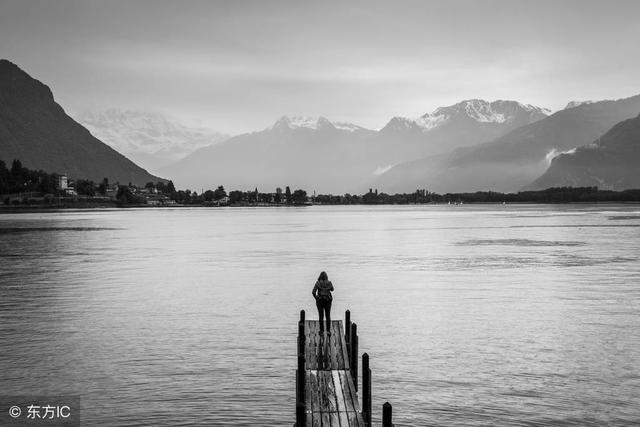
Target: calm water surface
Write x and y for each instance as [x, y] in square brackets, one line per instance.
[472, 315]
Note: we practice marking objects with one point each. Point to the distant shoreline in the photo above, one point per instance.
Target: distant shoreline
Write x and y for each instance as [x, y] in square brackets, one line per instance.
[559, 195]
[113, 207]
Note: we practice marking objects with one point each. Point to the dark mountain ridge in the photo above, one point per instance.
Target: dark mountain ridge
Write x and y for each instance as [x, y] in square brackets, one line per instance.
[38, 132]
[612, 162]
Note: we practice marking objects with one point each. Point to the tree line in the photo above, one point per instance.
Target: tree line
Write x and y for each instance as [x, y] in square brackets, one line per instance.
[18, 179]
[238, 197]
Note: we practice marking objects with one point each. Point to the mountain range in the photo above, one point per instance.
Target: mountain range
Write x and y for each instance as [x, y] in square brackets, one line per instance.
[150, 139]
[300, 152]
[326, 156]
[465, 123]
[610, 162]
[472, 145]
[515, 159]
[37, 131]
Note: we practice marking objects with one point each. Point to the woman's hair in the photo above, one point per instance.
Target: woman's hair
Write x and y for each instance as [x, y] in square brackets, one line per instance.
[323, 276]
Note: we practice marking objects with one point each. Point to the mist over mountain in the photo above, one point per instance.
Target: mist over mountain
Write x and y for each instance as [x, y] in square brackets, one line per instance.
[301, 152]
[610, 162]
[513, 160]
[325, 156]
[37, 131]
[152, 140]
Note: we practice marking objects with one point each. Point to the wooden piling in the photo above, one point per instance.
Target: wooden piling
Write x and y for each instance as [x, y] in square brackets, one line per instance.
[300, 414]
[301, 379]
[301, 337]
[347, 327]
[386, 415]
[353, 356]
[366, 390]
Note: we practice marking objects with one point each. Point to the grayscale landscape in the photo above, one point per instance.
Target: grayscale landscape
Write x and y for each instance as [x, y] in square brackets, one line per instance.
[188, 189]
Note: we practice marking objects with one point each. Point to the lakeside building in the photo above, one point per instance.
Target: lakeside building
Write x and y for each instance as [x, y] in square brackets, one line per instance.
[63, 182]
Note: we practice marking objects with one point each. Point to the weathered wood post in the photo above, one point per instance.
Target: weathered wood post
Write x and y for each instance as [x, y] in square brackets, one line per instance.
[366, 390]
[386, 415]
[301, 379]
[301, 338]
[347, 329]
[300, 415]
[300, 373]
[353, 357]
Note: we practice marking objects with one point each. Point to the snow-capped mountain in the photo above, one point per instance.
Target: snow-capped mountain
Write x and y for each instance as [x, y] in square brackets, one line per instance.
[574, 104]
[314, 123]
[463, 124]
[514, 160]
[477, 110]
[318, 154]
[150, 139]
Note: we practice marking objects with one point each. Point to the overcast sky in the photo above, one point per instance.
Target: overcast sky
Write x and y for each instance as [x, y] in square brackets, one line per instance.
[239, 65]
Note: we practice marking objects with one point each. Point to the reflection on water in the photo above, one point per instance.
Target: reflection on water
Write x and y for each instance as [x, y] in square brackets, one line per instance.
[6, 230]
[519, 242]
[472, 315]
[623, 217]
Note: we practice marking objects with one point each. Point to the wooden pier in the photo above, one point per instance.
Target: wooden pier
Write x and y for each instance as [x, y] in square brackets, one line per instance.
[327, 377]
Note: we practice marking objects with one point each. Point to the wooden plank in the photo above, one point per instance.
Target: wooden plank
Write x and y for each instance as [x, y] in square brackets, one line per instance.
[326, 421]
[307, 391]
[324, 398]
[316, 419]
[308, 347]
[333, 345]
[333, 419]
[328, 354]
[352, 396]
[341, 406]
[331, 350]
[346, 392]
[315, 391]
[343, 347]
[326, 351]
[339, 355]
[355, 419]
[335, 338]
[308, 344]
[321, 354]
[344, 419]
[310, 355]
[331, 391]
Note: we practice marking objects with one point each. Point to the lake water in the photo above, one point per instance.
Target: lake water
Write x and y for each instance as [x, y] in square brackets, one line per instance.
[472, 315]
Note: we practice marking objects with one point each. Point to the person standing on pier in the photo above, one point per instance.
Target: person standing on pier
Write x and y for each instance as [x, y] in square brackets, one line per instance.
[322, 293]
